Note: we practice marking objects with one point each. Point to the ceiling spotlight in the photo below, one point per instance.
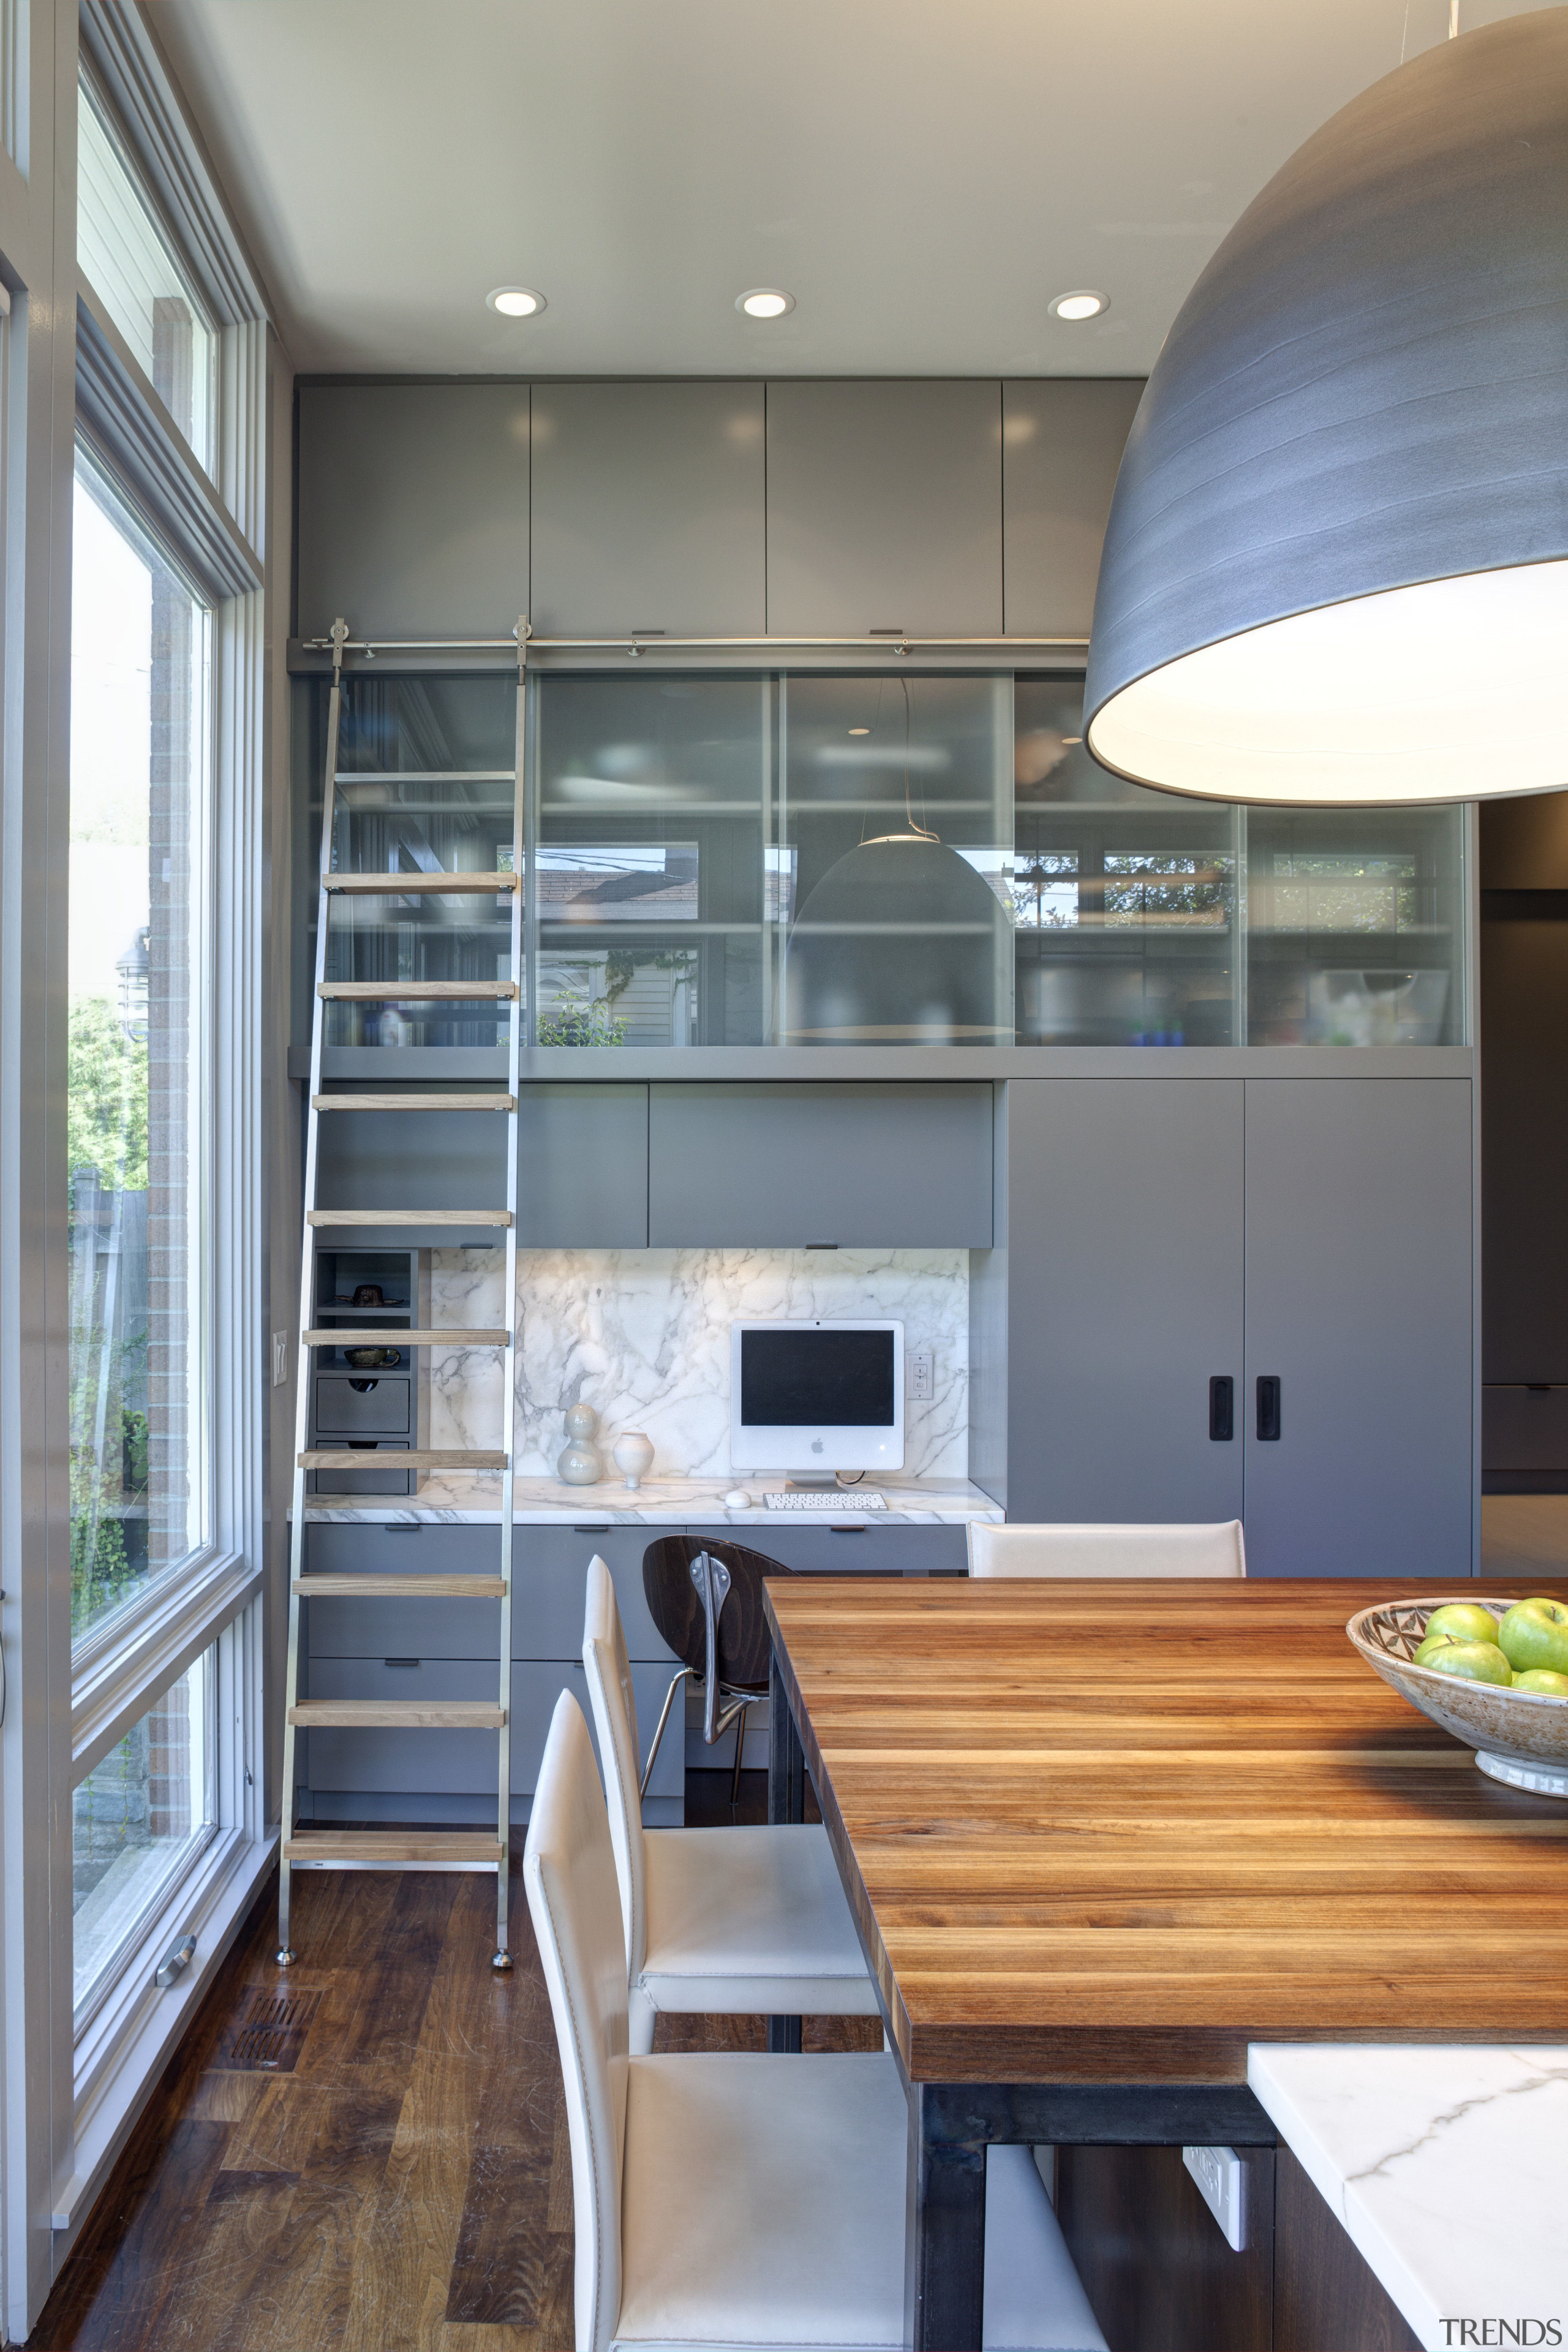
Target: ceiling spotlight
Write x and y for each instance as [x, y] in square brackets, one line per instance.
[1084, 303]
[515, 301]
[859, 731]
[765, 302]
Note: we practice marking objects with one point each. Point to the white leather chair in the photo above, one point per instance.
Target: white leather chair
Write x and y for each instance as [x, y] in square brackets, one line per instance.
[723, 2200]
[748, 1921]
[1184, 1549]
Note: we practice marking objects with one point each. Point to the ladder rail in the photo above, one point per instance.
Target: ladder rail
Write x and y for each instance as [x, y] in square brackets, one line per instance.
[522, 865]
[307, 1284]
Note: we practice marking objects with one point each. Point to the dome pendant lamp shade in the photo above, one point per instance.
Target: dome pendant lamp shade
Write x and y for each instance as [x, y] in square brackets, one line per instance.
[901, 943]
[1336, 569]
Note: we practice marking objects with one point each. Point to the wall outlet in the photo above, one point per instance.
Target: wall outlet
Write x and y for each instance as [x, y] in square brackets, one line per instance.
[1217, 2171]
[921, 1383]
[280, 1359]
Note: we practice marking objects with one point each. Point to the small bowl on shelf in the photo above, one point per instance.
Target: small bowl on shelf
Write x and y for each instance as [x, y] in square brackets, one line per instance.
[372, 1359]
[1519, 1736]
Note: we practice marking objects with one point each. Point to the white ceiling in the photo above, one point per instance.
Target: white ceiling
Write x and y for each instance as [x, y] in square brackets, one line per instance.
[921, 175]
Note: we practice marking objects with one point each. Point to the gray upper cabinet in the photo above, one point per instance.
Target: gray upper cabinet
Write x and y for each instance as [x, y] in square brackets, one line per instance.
[784, 1165]
[384, 1159]
[413, 513]
[1062, 444]
[1125, 1215]
[648, 508]
[1359, 1305]
[884, 509]
[582, 1174]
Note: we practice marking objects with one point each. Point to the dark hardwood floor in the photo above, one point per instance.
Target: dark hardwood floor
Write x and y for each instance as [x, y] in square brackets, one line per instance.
[365, 2151]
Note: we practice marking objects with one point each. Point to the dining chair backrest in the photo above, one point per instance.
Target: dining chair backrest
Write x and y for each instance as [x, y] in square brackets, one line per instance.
[569, 1875]
[1193, 1548]
[677, 1611]
[614, 1706]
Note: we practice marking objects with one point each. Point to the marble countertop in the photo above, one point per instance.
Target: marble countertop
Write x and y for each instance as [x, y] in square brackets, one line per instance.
[545, 1502]
[1448, 2165]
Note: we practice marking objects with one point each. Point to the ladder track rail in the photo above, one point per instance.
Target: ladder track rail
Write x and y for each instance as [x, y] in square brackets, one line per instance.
[302, 1848]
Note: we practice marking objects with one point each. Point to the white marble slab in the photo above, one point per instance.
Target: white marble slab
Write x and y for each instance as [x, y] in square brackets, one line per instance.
[643, 1336]
[1448, 2165]
[545, 1502]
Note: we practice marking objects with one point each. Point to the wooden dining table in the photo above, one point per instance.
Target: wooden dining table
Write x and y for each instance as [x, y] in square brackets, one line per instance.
[1098, 1837]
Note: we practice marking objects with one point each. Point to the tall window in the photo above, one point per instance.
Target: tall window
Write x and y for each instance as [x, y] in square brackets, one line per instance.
[130, 260]
[138, 913]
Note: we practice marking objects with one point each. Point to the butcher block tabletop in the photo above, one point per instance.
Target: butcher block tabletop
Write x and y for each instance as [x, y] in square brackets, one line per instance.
[1115, 1832]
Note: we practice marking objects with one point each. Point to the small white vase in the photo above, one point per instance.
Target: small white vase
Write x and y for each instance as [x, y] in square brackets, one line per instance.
[633, 1457]
[580, 1463]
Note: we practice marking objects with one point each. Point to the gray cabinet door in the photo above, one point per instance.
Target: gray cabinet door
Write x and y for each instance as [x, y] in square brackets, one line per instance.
[1124, 1240]
[1062, 444]
[785, 1164]
[884, 507]
[386, 1160]
[413, 508]
[582, 1167]
[648, 508]
[1359, 1303]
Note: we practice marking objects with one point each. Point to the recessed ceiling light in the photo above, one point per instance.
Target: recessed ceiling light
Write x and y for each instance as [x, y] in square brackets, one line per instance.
[765, 302]
[859, 731]
[515, 301]
[1083, 302]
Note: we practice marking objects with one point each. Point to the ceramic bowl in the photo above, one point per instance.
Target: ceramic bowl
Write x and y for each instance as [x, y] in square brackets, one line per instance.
[1520, 1736]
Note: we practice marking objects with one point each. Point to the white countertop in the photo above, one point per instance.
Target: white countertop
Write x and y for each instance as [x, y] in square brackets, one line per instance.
[544, 1502]
[1448, 2165]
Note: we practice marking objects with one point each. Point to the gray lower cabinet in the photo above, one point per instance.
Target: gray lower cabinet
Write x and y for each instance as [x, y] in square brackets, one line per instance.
[1124, 1298]
[648, 508]
[884, 507]
[785, 1164]
[1359, 1304]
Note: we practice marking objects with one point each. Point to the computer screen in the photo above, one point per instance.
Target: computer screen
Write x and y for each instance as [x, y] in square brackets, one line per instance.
[818, 1379]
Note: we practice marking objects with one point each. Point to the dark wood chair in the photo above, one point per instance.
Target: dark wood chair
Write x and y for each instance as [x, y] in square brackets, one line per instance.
[706, 1600]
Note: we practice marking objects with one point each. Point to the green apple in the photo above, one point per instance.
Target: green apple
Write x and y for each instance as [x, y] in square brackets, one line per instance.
[1542, 1678]
[1463, 1620]
[1474, 1662]
[1432, 1643]
[1535, 1634]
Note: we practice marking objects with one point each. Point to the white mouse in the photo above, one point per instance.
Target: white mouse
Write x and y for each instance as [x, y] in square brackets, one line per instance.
[737, 1500]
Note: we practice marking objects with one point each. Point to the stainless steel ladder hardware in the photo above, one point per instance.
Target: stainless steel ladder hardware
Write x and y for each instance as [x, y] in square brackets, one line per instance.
[304, 1848]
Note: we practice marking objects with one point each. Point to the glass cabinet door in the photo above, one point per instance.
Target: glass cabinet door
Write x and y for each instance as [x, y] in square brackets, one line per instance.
[894, 847]
[649, 880]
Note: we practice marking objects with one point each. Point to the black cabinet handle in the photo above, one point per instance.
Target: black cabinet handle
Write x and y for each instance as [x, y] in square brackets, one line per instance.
[1269, 1407]
[1221, 1408]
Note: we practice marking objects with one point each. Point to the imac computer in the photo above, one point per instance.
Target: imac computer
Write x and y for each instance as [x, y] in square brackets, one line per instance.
[816, 1397]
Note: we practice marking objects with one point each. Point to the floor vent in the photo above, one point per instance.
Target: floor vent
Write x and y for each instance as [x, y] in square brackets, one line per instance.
[268, 2038]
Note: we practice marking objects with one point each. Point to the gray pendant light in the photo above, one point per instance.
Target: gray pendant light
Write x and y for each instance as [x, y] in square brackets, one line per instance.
[1336, 569]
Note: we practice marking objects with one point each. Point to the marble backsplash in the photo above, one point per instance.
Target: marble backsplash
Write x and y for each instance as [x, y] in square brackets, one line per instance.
[644, 1336]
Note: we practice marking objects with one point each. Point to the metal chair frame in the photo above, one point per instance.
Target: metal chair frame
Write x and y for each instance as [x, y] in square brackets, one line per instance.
[722, 1704]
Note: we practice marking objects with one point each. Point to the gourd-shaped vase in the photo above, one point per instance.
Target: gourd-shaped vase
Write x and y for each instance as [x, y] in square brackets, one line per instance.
[580, 1463]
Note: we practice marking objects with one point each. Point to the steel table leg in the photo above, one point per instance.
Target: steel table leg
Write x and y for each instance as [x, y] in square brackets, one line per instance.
[944, 2231]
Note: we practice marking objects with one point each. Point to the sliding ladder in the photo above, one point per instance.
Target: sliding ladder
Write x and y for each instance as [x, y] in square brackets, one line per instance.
[331, 1849]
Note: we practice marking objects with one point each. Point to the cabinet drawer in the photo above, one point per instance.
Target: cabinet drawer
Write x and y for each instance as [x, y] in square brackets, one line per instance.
[340, 1546]
[346, 1406]
[551, 1591]
[383, 1482]
[888, 1547]
[463, 1763]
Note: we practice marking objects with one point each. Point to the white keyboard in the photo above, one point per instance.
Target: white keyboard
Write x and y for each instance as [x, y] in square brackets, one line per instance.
[846, 1499]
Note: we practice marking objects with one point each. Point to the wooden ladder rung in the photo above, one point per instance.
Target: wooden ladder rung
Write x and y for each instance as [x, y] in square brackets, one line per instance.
[405, 886]
[373, 1457]
[413, 992]
[349, 1337]
[414, 1102]
[408, 1216]
[393, 1850]
[397, 1715]
[407, 1586]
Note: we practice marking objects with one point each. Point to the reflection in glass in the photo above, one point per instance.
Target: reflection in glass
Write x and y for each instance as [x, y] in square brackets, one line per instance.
[1123, 900]
[895, 803]
[138, 1818]
[139, 668]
